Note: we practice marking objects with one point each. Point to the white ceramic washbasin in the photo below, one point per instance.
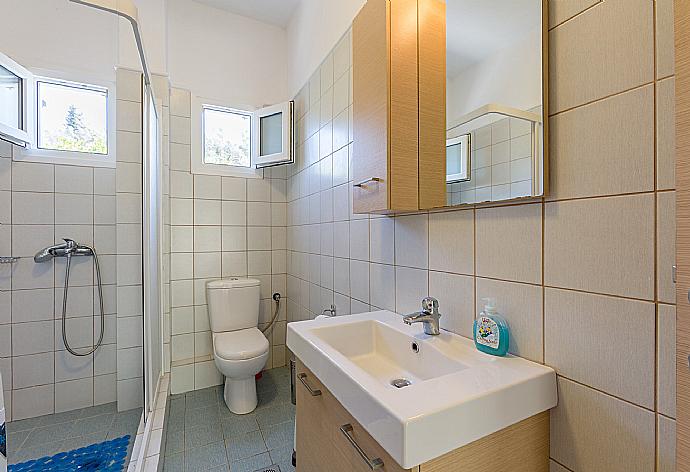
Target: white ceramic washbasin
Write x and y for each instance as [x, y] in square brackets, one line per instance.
[456, 393]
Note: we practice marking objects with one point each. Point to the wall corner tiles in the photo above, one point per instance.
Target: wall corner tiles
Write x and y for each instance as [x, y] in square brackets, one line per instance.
[220, 227]
[128, 184]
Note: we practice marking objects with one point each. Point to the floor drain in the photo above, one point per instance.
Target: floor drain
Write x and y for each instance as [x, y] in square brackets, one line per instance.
[273, 468]
[400, 383]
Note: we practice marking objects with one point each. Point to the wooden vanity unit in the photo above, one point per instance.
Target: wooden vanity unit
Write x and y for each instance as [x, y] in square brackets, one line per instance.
[330, 439]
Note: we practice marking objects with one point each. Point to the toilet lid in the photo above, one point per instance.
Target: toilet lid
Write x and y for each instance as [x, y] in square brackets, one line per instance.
[240, 345]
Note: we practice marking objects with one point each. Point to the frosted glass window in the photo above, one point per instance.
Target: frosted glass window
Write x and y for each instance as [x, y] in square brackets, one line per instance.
[10, 99]
[226, 136]
[457, 159]
[72, 118]
[271, 134]
[453, 156]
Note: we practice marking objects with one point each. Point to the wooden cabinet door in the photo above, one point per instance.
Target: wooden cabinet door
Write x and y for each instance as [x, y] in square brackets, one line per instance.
[370, 449]
[315, 451]
[370, 84]
[682, 49]
[399, 121]
[321, 444]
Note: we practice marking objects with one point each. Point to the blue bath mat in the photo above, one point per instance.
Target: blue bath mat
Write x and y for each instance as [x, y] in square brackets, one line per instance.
[108, 456]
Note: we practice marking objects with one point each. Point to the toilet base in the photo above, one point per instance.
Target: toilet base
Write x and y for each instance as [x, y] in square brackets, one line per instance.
[240, 395]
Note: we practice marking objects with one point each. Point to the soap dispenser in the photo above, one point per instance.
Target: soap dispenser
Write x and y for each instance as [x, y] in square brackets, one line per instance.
[491, 333]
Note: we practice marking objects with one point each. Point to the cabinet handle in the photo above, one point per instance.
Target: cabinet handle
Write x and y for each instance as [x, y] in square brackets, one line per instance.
[313, 392]
[366, 181]
[373, 464]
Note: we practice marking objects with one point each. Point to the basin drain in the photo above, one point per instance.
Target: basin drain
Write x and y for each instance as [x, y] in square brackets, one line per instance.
[400, 383]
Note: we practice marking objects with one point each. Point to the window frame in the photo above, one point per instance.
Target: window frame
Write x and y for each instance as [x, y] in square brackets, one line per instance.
[198, 166]
[287, 153]
[21, 136]
[32, 153]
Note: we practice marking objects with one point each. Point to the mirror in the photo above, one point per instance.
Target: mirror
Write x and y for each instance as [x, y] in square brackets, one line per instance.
[494, 100]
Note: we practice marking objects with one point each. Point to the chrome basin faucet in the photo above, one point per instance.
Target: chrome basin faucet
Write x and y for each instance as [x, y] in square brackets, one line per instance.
[429, 316]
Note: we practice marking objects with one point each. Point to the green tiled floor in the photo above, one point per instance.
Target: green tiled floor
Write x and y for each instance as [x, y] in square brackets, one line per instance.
[203, 435]
[47, 435]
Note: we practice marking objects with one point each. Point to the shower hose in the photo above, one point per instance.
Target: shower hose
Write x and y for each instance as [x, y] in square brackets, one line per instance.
[64, 305]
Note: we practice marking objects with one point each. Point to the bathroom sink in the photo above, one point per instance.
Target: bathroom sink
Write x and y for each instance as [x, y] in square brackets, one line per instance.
[387, 354]
[419, 396]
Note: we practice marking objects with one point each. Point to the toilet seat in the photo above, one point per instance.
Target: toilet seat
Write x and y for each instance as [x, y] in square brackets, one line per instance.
[243, 344]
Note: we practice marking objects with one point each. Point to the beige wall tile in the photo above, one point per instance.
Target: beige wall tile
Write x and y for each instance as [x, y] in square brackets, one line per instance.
[604, 342]
[412, 241]
[666, 359]
[665, 134]
[563, 10]
[594, 432]
[666, 458]
[455, 294]
[666, 246]
[451, 242]
[664, 38]
[521, 306]
[605, 148]
[603, 245]
[508, 243]
[605, 50]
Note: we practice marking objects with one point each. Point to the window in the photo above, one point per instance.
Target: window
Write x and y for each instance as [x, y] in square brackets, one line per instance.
[15, 102]
[274, 128]
[57, 119]
[72, 117]
[10, 98]
[73, 123]
[227, 136]
[240, 141]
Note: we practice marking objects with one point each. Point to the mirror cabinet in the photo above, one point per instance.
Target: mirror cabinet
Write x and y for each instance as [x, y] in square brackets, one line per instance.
[449, 102]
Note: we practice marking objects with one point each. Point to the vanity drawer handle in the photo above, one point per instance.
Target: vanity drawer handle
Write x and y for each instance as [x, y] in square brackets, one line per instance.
[373, 464]
[313, 392]
[366, 181]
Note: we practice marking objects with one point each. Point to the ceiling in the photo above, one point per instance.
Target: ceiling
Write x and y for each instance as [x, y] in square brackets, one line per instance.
[479, 28]
[276, 12]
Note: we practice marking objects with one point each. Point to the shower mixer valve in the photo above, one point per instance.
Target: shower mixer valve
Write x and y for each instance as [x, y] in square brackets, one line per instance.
[69, 248]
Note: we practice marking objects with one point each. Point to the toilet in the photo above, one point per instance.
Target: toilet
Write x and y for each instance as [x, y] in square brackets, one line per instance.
[240, 350]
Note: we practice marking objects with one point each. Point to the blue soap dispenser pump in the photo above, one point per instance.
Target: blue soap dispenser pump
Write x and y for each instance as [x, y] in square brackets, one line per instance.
[491, 333]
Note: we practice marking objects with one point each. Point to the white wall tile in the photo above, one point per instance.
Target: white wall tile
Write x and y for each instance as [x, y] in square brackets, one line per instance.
[382, 243]
[234, 188]
[31, 402]
[411, 286]
[207, 212]
[359, 239]
[74, 394]
[32, 370]
[32, 208]
[207, 186]
[382, 286]
[33, 177]
[412, 241]
[258, 214]
[207, 238]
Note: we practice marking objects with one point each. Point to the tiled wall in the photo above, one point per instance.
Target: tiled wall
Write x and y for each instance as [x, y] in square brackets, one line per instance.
[42, 203]
[501, 163]
[130, 321]
[583, 276]
[221, 227]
